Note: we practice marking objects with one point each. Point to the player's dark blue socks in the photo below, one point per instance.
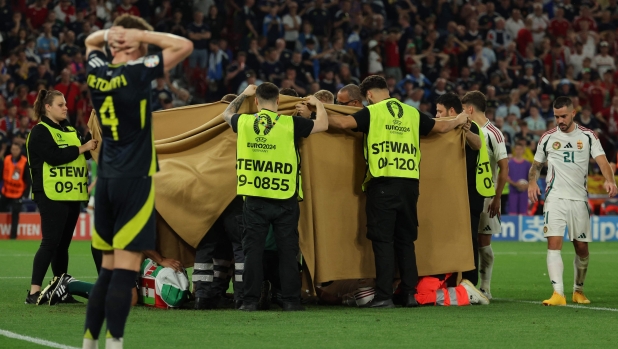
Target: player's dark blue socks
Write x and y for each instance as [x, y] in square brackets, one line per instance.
[95, 312]
[118, 301]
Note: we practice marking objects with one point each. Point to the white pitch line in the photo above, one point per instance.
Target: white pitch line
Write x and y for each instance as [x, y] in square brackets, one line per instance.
[35, 340]
[512, 253]
[567, 306]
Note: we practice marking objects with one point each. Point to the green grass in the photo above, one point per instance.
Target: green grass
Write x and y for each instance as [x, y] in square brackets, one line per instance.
[519, 275]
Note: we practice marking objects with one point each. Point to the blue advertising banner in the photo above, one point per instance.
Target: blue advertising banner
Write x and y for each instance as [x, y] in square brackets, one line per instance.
[530, 228]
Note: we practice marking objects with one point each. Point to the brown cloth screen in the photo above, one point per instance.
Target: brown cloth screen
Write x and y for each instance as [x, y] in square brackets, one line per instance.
[197, 180]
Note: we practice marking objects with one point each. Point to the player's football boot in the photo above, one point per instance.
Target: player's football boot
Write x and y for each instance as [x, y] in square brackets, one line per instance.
[556, 299]
[475, 296]
[47, 291]
[486, 293]
[61, 291]
[580, 298]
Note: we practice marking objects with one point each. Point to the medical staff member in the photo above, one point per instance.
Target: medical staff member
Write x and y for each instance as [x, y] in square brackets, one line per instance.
[57, 160]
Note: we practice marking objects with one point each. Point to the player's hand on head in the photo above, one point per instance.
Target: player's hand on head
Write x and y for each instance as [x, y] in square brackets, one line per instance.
[116, 37]
[122, 39]
[250, 90]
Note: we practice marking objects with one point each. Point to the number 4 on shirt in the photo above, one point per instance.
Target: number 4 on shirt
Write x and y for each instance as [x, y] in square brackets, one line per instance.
[108, 115]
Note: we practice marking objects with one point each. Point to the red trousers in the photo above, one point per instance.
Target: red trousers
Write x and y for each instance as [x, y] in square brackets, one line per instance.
[431, 290]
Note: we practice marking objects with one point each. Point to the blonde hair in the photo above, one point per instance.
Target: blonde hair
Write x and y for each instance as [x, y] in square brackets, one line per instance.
[325, 96]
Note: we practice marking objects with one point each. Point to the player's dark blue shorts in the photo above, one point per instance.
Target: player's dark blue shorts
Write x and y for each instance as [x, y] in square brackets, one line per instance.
[124, 215]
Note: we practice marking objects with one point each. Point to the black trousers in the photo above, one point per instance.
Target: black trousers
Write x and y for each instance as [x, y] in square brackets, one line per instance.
[392, 227]
[214, 254]
[271, 272]
[258, 215]
[473, 275]
[58, 220]
[14, 205]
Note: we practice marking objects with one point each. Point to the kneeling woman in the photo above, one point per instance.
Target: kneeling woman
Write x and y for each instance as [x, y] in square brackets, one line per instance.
[57, 159]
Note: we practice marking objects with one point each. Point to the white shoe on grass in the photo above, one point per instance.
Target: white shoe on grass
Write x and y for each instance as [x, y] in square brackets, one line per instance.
[475, 296]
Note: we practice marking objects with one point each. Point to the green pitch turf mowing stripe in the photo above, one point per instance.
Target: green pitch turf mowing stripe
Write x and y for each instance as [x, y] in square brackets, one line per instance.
[515, 319]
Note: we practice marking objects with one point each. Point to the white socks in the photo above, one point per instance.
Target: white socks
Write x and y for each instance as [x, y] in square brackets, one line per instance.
[555, 268]
[90, 344]
[113, 343]
[580, 267]
[486, 266]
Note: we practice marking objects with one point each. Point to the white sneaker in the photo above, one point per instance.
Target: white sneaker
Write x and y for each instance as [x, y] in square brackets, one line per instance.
[486, 293]
[476, 296]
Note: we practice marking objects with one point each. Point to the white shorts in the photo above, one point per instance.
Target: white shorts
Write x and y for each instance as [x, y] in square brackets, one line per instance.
[489, 225]
[573, 215]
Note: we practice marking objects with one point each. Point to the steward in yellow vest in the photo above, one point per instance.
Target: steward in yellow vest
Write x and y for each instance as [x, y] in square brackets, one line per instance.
[478, 173]
[57, 160]
[492, 157]
[392, 150]
[268, 170]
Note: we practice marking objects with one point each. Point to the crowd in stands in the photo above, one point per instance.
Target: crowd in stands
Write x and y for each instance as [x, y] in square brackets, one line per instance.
[520, 53]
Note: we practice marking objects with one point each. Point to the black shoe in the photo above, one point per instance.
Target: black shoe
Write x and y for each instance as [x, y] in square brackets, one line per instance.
[205, 303]
[264, 302]
[237, 304]
[276, 298]
[32, 298]
[379, 304]
[61, 292]
[288, 306]
[70, 300]
[410, 301]
[399, 299]
[249, 306]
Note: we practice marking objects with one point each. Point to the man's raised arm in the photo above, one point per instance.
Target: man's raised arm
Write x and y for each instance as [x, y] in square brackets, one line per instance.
[237, 102]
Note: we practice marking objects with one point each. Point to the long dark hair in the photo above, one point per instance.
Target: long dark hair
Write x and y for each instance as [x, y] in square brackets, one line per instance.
[44, 97]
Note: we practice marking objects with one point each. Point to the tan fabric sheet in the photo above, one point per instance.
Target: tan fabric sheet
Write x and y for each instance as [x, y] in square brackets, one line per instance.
[197, 154]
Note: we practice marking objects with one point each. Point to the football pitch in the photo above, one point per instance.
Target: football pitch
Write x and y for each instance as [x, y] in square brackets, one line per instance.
[515, 318]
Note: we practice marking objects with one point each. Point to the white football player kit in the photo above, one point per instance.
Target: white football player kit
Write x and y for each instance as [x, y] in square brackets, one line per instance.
[566, 195]
[496, 150]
